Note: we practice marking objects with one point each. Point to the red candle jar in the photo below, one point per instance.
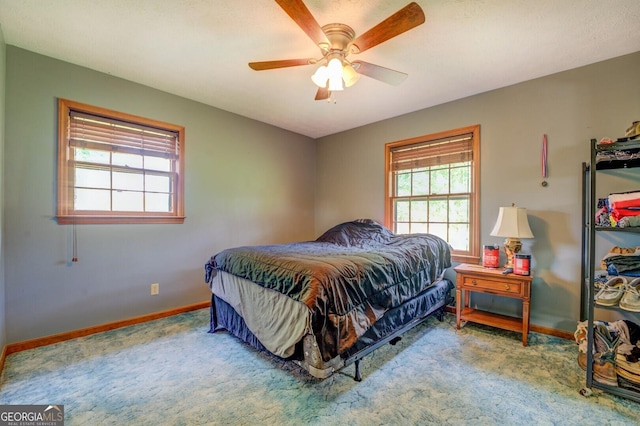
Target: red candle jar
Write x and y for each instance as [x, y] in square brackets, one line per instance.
[491, 256]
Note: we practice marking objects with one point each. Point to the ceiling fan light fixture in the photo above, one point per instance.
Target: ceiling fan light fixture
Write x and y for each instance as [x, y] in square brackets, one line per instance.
[336, 41]
[334, 70]
[321, 76]
[349, 75]
[335, 84]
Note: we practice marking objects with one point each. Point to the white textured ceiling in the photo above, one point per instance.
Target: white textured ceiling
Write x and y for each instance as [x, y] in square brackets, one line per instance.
[199, 49]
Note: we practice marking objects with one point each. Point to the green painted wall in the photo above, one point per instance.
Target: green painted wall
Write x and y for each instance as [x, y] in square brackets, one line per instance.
[570, 107]
[3, 333]
[251, 183]
[246, 183]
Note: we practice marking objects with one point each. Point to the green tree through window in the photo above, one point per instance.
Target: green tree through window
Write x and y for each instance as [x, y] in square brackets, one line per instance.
[432, 187]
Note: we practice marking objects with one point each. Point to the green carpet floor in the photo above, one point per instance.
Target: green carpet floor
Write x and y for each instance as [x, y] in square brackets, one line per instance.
[172, 372]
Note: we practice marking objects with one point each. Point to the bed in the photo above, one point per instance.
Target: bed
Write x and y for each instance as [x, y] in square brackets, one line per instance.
[327, 303]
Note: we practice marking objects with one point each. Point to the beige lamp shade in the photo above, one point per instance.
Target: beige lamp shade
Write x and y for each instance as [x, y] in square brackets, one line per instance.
[512, 223]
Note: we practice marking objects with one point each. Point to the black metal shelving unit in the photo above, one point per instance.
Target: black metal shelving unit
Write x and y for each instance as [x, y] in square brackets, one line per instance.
[589, 206]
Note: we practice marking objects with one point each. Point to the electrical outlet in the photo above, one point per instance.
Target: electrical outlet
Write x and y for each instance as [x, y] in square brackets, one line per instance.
[155, 288]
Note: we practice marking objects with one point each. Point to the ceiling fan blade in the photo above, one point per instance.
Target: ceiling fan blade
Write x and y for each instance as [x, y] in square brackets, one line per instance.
[269, 65]
[322, 94]
[383, 74]
[403, 20]
[297, 10]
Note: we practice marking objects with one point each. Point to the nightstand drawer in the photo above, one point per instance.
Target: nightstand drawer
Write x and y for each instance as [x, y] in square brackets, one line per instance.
[509, 287]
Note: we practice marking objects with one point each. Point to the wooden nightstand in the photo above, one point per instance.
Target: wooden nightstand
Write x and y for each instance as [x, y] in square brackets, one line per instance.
[476, 278]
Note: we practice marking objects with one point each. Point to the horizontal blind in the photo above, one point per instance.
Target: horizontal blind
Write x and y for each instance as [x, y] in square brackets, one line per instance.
[107, 134]
[436, 152]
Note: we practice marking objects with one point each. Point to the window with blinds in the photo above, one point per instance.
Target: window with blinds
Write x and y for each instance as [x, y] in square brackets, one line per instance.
[432, 185]
[118, 168]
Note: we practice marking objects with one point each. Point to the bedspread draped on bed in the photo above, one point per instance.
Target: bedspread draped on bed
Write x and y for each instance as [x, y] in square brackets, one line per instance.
[348, 278]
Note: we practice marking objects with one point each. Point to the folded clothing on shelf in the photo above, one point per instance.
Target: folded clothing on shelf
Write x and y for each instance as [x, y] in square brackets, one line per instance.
[622, 261]
[620, 209]
[615, 250]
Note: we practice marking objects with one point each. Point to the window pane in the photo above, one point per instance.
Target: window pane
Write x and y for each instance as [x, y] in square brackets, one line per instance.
[459, 236]
[157, 163]
[439, 229]
[92, 156]
[419, 211]
[130, 181]
[91, 199]
[459, 210]
[438, 210]
[440, 180]
[107, 174]
[403, 182]
[402, 228]
[421, 183]
[92, 178]
[157, 183]
[127, 201]
[158, 203]
[437, 176]
[422, 228]
[402, 211]
[127, 160]
[460, 181]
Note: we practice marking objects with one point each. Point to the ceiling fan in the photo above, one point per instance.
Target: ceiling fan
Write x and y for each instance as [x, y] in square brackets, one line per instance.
[337, 41]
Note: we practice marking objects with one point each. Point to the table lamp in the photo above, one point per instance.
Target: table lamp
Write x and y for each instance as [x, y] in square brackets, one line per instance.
[512, 224]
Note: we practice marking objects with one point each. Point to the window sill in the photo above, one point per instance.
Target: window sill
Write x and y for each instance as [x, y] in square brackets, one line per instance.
[474, 260]
[102, 220]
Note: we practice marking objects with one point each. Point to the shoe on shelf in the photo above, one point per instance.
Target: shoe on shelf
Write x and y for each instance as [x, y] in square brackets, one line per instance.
[630, 300]
[611, 292]
[629, 367]
[629, 376]
[604, 373]
[628, 384]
